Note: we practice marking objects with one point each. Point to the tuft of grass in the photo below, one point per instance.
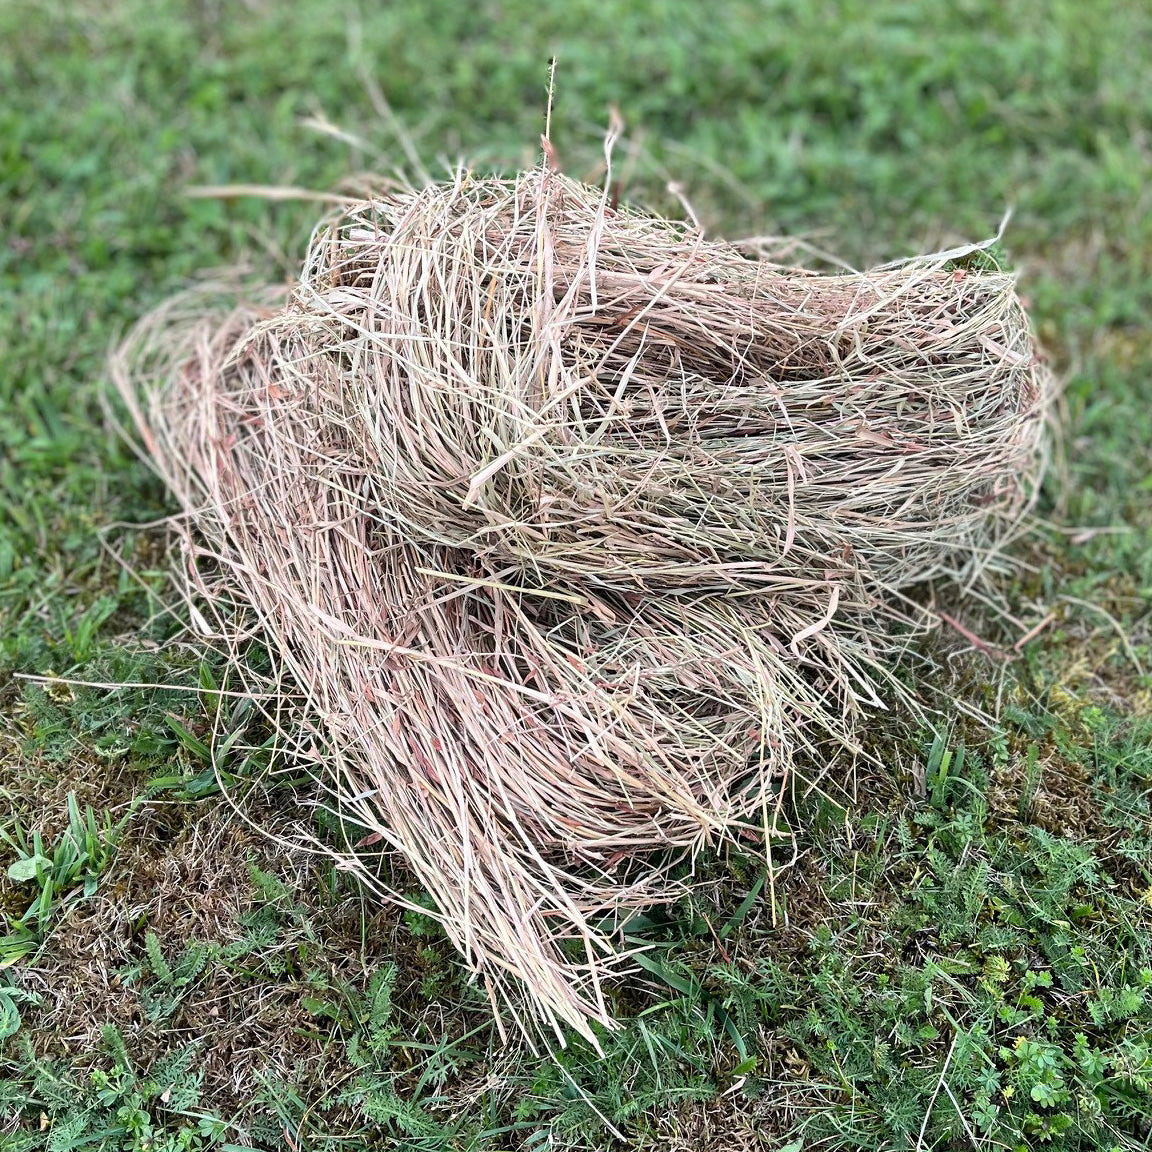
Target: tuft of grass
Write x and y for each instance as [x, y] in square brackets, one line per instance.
[70, 869]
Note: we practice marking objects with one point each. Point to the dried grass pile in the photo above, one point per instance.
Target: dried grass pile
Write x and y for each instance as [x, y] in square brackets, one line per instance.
[572, 528]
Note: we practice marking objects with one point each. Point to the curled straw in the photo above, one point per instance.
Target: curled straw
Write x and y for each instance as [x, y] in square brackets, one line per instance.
[573, 529]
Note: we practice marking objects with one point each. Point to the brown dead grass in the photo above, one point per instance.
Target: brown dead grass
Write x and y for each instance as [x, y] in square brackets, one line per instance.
[570, 529]
[182, 871]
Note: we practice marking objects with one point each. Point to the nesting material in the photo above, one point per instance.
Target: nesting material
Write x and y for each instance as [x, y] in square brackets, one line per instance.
[571, 530]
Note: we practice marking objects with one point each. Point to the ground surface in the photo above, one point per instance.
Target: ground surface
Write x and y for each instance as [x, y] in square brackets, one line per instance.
[961, 956]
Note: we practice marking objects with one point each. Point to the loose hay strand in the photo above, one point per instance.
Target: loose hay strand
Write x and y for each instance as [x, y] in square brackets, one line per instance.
[573, 530]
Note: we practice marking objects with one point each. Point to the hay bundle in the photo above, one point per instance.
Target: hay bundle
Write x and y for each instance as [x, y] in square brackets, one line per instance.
[572, 528]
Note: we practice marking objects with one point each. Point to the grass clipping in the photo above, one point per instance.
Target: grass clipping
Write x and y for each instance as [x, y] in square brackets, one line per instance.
[570, 529]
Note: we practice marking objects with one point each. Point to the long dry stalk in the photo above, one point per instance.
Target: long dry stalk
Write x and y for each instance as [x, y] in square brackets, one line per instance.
[572, 529]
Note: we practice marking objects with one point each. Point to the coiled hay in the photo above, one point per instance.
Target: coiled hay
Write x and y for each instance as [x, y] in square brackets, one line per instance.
[571, 530]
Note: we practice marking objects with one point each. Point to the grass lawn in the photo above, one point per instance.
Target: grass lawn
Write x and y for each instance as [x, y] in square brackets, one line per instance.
[961, 954]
